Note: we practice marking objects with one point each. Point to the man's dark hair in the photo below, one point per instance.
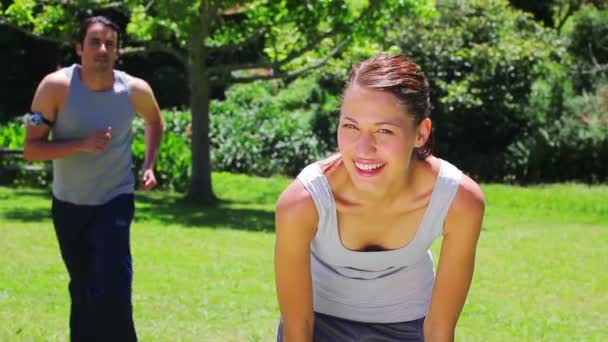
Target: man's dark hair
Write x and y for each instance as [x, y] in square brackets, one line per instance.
[84, 27]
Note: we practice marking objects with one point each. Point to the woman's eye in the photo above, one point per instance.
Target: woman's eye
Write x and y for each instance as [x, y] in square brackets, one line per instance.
[350, 126]
[385, 131]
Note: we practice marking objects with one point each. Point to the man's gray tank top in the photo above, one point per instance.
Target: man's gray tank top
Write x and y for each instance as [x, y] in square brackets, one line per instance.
[375, 287]
[94, 178]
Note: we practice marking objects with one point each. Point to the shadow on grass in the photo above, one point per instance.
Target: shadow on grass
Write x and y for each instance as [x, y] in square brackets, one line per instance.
[157, 207]
[42, 193]
[26, 205]
[176, 210]
[27, 214]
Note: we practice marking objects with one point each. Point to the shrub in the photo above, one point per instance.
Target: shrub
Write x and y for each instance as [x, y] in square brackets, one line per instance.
[12, 136]
[264, 134]
[172, 167]
[573, 147]
[587, 42]
[482, 59]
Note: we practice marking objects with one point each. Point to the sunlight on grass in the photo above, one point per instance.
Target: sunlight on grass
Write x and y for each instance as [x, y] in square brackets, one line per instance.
[206, 274]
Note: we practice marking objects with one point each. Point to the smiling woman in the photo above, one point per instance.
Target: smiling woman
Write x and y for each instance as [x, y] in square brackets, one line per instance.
[353, 231]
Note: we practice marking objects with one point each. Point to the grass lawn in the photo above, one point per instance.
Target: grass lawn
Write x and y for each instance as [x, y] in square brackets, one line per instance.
[206, 274]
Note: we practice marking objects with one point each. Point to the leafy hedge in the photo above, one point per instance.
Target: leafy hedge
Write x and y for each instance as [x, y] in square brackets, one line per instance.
[259, 129]
[482, 59]
[587, 44]
[572, 147]
[12, 136]
[262, 130]
[174, 157]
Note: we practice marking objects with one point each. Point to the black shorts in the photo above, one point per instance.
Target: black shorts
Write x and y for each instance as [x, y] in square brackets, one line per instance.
[334, 329]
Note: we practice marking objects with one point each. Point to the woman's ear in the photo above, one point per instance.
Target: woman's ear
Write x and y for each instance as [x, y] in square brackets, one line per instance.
[423, 131]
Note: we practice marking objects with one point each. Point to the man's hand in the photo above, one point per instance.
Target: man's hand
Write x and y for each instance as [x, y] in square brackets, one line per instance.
[148, 180]
[98, 141]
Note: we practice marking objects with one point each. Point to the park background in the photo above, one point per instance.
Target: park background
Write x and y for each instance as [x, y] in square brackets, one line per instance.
[250, 91]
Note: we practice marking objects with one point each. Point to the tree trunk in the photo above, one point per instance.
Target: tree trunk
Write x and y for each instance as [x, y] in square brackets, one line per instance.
[200, 182]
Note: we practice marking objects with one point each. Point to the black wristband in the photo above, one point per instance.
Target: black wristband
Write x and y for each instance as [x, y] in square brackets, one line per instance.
[37, 119]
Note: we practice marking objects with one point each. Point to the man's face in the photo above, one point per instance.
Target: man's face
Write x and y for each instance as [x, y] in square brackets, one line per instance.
[99, 50]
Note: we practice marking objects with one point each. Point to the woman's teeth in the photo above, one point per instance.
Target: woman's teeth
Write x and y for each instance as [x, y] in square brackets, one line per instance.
[368, 167]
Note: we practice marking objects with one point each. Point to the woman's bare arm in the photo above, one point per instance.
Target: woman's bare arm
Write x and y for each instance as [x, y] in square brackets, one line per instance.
[456, 262]
[296, 224]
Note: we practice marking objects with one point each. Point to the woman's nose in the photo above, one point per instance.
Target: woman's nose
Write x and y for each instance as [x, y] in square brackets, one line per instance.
[366, 144]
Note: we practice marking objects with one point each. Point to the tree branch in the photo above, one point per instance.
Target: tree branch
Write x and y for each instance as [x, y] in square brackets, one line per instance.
[231, 48]
[149, 5]
[592, 55]
[288, 75]
[313, 43]
[116, 4]
[153, 46]
[225, 69]
[597, 67]
[562, 19]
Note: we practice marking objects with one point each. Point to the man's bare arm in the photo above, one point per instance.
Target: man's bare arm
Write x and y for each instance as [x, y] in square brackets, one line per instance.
[145, 104]
[37, 146]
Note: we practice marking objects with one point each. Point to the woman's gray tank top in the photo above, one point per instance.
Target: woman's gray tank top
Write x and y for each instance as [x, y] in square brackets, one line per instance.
[376, 287]
[93, 178]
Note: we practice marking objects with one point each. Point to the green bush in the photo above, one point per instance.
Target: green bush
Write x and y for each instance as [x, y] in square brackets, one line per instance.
[263, 130]
[587, 44]
[482, 59]
[172, 167]
[12, 136]
[173, 163]
[573, 147]
[12, 133]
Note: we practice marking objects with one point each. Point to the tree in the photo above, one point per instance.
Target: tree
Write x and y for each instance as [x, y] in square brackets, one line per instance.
[588, 46]
[555, 13]
[482, 59]
[224, 42]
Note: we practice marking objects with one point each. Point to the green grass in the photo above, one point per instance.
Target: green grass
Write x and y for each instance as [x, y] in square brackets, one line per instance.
[206, 274]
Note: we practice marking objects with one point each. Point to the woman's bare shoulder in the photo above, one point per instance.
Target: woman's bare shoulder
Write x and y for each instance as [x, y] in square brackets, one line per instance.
[468, 206]
[469, 195]
[296, 210]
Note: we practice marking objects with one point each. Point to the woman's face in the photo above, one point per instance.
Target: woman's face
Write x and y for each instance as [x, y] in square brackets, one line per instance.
[376, 137]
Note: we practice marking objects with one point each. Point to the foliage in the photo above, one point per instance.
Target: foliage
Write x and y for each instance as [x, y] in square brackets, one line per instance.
[219, 42]
[258, 132]
[576, 144]
[555, 13]
[12, 136]
[172, 167]
[482, 59]
[262, 128]
[12, 133]
[587, 42]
